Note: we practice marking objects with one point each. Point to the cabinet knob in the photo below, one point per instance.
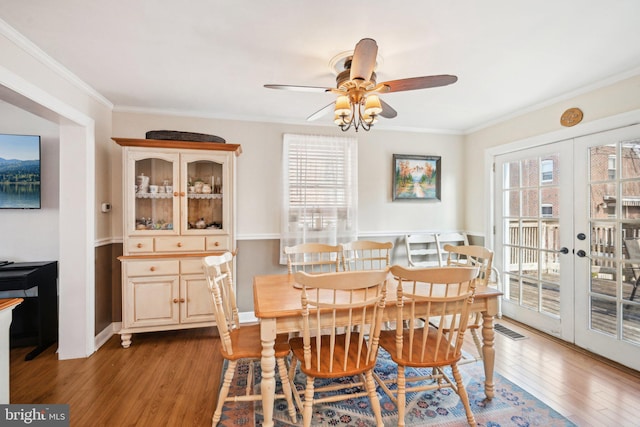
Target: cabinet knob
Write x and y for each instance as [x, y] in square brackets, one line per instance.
[152, 269]
[182, 193]
[179, 244]
[216, 244]
[182, 300]
[139, 245]
[175, 194]
[176, 300]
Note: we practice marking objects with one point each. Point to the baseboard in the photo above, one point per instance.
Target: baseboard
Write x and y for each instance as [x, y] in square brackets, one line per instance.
[247, 318]
[104, 335]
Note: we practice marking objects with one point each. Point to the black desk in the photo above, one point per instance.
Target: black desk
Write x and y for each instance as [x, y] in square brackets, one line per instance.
[41, 311]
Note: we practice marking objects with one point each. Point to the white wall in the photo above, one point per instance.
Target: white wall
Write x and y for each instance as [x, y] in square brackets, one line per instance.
[32, 234]
[260, 165]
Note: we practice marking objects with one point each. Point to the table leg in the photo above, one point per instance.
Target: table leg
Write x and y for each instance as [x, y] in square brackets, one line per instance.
[268, 365]
[488, 353]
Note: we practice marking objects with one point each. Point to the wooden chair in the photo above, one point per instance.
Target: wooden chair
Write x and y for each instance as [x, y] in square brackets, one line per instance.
[366, 255]
[429, 293]
[422, 250]
[426, 250]
[355, 302]
[239, 343]
[313, 258]
[473, 256]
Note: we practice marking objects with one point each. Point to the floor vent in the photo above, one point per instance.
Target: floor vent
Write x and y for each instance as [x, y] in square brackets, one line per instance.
[508, 332]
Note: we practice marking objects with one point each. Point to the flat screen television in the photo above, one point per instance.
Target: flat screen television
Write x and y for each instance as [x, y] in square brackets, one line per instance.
[20, 172]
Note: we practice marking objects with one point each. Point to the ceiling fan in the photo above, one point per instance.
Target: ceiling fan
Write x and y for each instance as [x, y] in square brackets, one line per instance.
[358, 104]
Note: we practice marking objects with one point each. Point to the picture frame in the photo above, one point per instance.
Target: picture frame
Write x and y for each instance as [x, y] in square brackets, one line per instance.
[416, 178]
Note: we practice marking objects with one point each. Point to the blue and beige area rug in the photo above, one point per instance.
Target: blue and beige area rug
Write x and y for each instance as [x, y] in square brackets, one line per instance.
[511, 406]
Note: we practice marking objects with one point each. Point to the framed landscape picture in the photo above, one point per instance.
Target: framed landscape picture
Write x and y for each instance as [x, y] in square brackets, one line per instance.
[416, 177]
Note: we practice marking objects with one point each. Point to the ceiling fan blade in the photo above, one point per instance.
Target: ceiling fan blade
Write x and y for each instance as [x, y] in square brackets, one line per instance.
[314, 89]
[321, 112]
[387, 110]
[424, 82]
[364, 60]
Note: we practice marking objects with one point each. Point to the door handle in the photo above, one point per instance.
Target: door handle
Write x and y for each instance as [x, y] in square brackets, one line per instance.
[581, 253]
[563, 250]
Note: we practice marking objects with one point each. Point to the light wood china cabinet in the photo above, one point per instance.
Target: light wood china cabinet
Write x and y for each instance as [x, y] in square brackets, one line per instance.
[178, 207]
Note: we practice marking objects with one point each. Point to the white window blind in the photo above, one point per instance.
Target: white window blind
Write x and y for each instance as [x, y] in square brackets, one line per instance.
[320, 190]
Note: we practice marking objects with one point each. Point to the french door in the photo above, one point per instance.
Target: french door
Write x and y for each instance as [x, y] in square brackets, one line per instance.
[608, 213]
[568, 240]
[534, 236]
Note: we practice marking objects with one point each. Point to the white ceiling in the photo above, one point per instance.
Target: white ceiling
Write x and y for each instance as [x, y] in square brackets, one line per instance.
[211, 58]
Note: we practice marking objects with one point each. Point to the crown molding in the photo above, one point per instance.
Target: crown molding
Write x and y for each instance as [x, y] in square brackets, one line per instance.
[32, 49]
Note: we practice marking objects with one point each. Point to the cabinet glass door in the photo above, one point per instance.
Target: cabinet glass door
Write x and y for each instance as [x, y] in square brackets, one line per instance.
[204, 190]
[154, 206]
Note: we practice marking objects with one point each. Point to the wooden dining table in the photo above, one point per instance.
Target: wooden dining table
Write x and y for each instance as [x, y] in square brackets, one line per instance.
[277, 305]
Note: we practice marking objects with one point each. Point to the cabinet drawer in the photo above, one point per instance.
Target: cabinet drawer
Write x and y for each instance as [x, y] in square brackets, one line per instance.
[140, 244]
[191, 266]
[179, 244]
[153, 268]
[218, 243]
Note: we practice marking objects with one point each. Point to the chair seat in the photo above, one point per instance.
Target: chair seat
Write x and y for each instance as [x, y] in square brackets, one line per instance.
[246, 344]
[338, 370]
[412, 358]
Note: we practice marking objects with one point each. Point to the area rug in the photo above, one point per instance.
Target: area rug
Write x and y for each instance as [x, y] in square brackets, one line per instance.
[511, 406]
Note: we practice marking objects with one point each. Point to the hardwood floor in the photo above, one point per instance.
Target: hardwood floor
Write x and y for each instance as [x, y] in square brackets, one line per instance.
[172, 379]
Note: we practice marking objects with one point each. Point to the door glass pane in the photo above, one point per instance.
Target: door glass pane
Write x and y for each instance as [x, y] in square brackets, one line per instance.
[551, 299]
[530, 293]
[204, 195]
[512, 256]
[512, 203]
[631, 160]
[549, 170]
[530, 172]
[631, 323]
[549, 206]
[530, 203]
[603, 282]
[513, 288]
[630, 208]
[529, 237]
[530, 263]
[512, 175]
[603, 200]
[603, 315]
[550, 235]
[599, 161]
[153, 204]
[512, 237]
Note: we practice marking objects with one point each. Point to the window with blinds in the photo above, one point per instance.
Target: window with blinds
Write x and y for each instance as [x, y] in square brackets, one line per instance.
[320, 189]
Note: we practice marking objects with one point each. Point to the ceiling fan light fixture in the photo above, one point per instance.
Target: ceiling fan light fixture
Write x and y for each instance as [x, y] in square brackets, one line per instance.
[370, 118]
[343, 106]
[340, 120]
[372, 106]
[349, 111]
